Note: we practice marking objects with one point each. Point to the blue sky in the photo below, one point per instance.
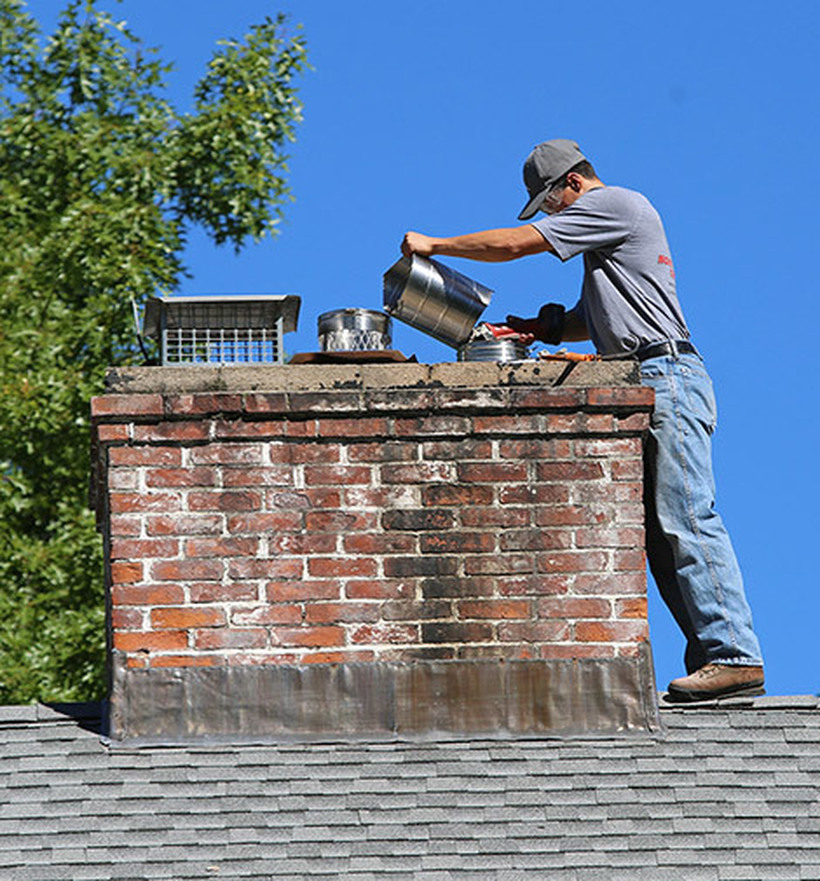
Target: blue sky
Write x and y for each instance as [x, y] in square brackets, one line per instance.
[419, 116]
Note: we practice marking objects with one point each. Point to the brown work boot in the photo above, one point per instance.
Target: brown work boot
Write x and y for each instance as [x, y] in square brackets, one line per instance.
[717, 680]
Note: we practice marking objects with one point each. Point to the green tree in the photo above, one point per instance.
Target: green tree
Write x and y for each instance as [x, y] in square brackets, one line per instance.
[100, 178]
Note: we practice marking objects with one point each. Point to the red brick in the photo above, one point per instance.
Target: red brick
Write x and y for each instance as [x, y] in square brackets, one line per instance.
[261, 524]
[381, 589]
[184, 661]
[184, 524]
[367, 427]
[301, 428]
[493, 609]
[573, 651]
[369, 543]
[126, 573]
[300, 454]
[514, 423]
[338, 657]
[471, 398]
[539, 494]
[119, 478]
[224, 501]
[609, 537]
[574, 607]
[216, 592]
[492, 472]
[448, 587]
[338, 567]
[417, 472]
[632, 607]
[187, 570]
[225, 638]
[160, 477]
[164, 432]
[113, 433]
[238, 429]
[337, 613]
[382, 451]
[338, 475]
[241, 568]
[221, 547]
[433, 426]
[613, 448]
[638, 397]
[184, 618]
[634, 422]
[262, 403]
[534, 585]
[127, 619]
[498, 564]
[573, 561]
[147, 595]
[302, 545]
[456, 494]
[226, 454]
[134, 503]
[383, 497]
[460, 450]
[533, 631]
[456, 631]
[385, 634]
[547, 398]
[121, 525]
[269, 614]
[285, 591]
[610, 631]
[606, 584]
[569, 515]
[138, 548]
[535, 448]
[200, 404]
[156, 456]
[458, 542]
[127, 405]
[627, 560]
[307, 637]
[566, 423]
[340, 521]
[535, 539]
[151, 642]
[627, 469]
[504, 518]
[569, 471]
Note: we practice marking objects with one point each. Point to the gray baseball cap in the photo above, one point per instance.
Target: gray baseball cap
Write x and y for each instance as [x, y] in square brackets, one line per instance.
[544, 166]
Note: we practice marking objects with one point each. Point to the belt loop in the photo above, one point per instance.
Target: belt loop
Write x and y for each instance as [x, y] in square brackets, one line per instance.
[675, 352]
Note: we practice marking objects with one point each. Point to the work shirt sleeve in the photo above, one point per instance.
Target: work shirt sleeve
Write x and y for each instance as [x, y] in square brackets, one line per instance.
[596, 221]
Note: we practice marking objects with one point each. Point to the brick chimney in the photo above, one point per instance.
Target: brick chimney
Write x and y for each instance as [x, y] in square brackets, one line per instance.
[374, 550]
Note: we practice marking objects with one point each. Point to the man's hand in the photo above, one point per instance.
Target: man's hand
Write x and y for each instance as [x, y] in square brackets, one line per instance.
[416, 243]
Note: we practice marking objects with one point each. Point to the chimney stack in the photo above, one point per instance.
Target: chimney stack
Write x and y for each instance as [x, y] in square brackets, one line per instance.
[375, 550]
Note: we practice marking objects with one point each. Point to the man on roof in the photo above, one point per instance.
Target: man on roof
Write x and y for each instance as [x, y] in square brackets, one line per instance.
[629, 308]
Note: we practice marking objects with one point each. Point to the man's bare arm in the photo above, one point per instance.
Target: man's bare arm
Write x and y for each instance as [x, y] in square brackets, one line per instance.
[490, 246]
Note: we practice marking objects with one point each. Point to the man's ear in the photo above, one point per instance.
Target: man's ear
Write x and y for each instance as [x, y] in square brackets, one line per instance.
[574, 181]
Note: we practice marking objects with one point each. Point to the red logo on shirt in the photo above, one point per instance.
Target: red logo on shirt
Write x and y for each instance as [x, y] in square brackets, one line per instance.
[666, 261]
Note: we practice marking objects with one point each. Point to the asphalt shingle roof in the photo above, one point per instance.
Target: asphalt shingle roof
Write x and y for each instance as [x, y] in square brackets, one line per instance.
[728, 793]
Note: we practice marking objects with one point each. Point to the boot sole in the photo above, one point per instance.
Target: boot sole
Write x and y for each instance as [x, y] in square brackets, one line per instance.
[752, 689]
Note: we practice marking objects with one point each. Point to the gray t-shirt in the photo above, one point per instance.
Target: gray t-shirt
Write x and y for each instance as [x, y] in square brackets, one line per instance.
[628, 295]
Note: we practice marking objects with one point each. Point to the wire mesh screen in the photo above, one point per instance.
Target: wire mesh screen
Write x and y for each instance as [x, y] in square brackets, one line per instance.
[218, 345]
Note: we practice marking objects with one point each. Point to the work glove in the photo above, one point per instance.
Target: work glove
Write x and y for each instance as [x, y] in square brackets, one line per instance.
[547, 327]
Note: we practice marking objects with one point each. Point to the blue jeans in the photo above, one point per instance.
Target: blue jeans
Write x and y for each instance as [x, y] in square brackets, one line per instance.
[689, 550]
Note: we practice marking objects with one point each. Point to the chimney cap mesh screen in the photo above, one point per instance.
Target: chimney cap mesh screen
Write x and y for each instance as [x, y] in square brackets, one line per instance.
[221, 330]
